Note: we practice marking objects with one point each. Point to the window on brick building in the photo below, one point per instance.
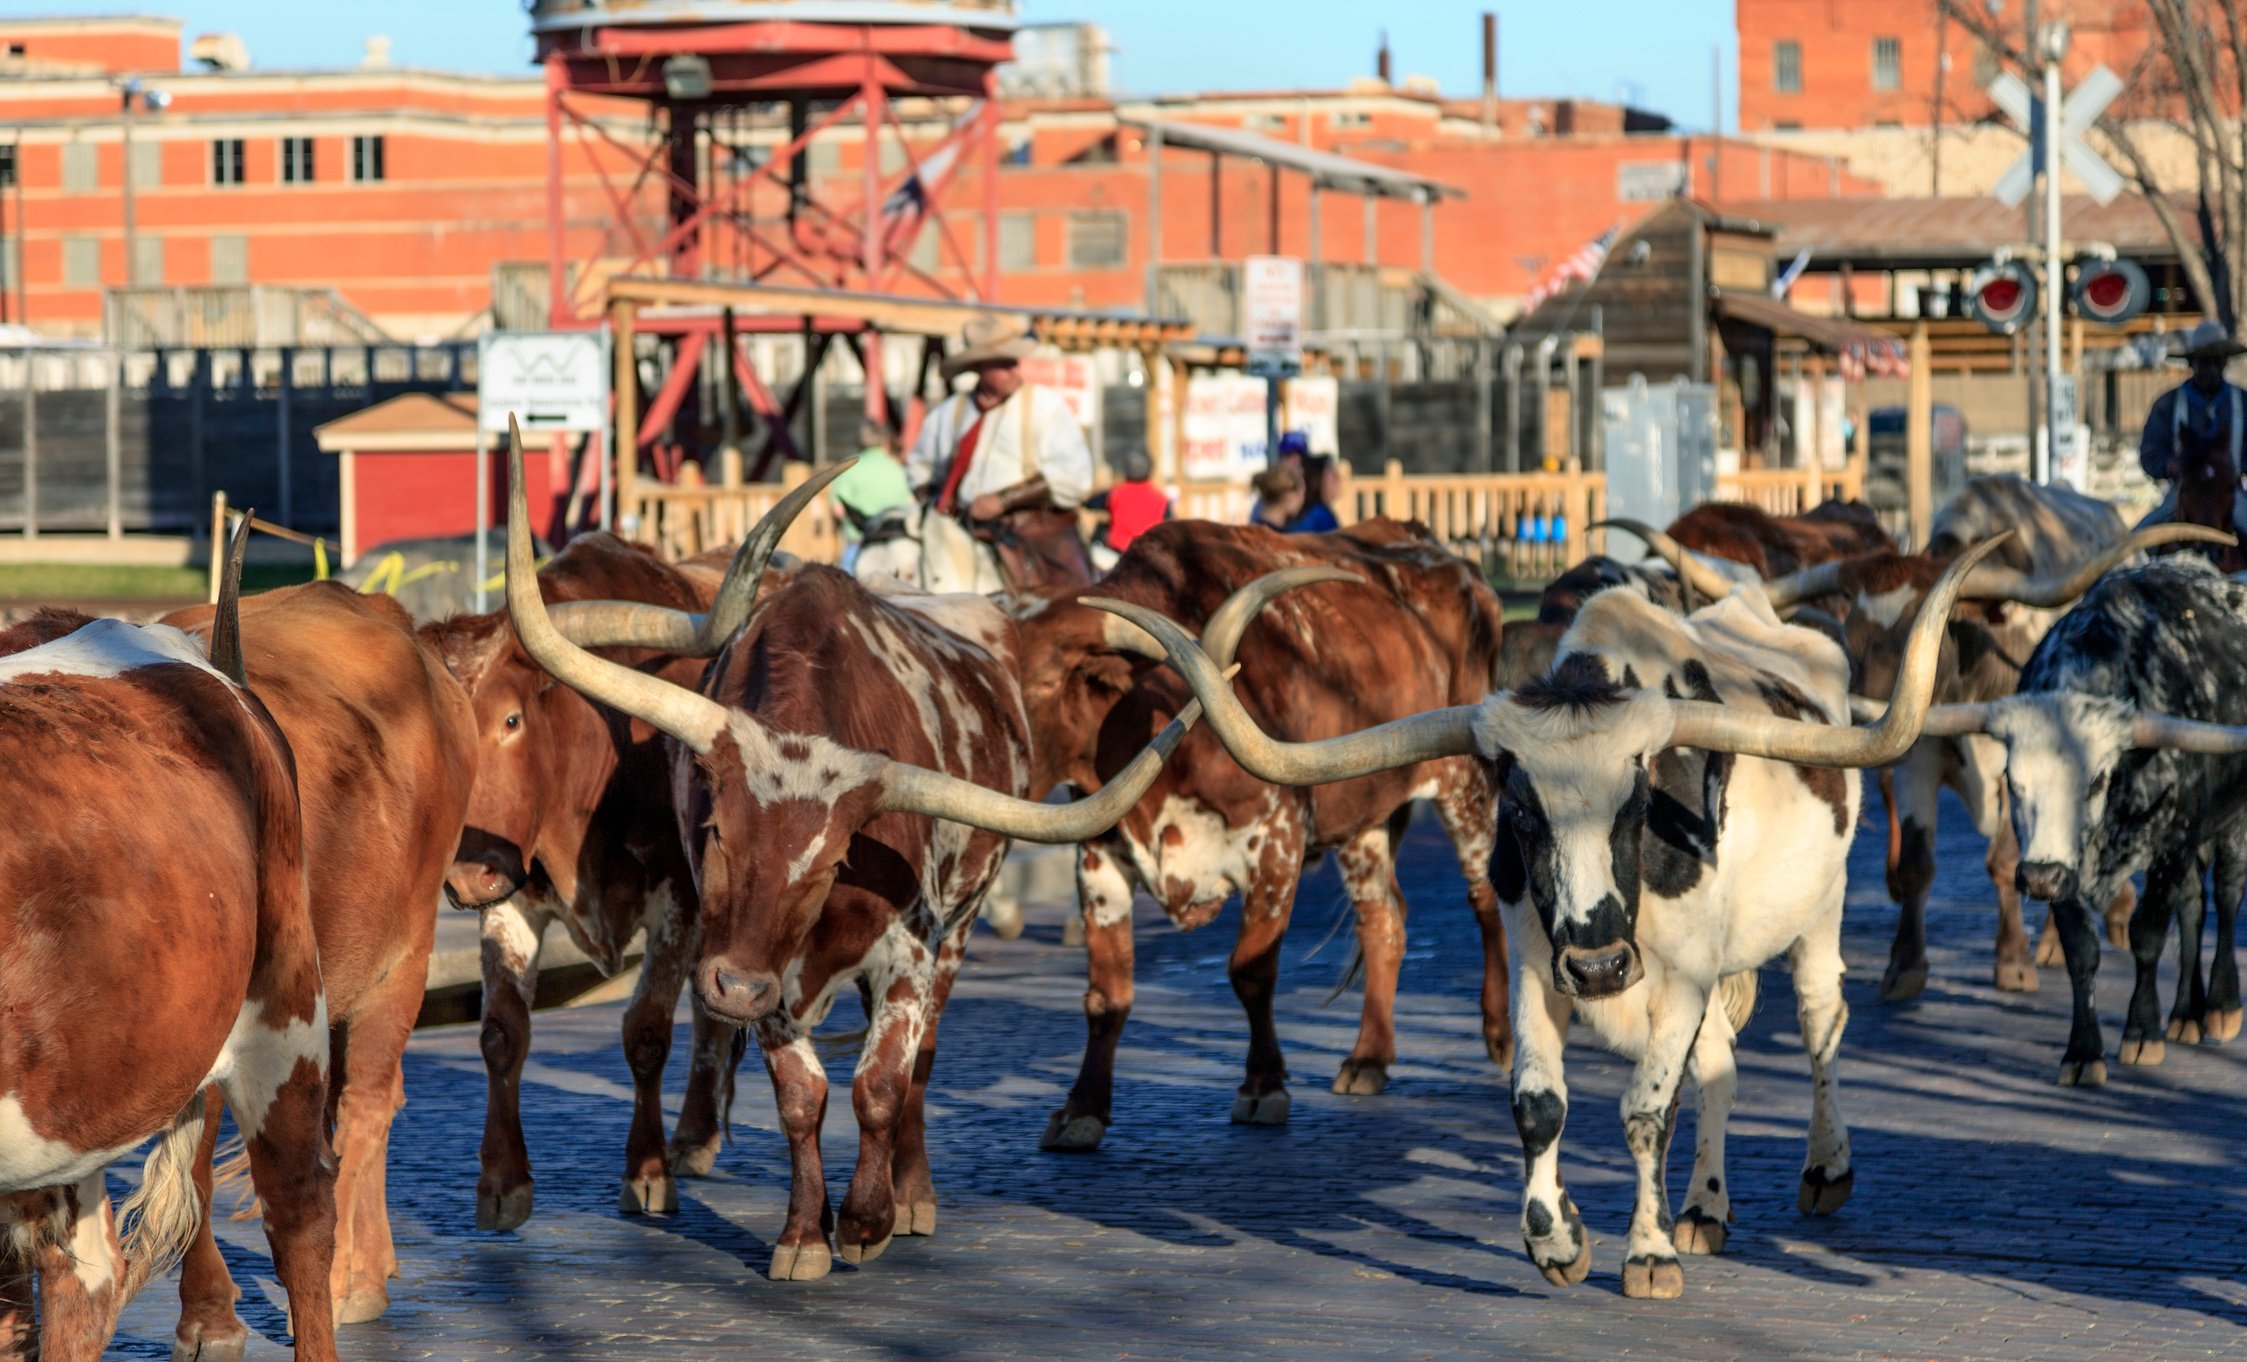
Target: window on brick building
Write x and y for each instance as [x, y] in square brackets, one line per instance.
[230, 259]
[148, 259]
[1786, 67]
[1096, 241]
[226, 161]
[147, 165]
[81, 168]
[1888, 64]
[81, 262]
[7, 166]
[1265, 122]
[296, 160]
[366, 159]
[1349, 118]
[1018, 242]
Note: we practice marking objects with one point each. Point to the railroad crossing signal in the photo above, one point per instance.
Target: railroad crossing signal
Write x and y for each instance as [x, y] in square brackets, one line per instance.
[2077, 113]
[2004, 297]
[2111, 291]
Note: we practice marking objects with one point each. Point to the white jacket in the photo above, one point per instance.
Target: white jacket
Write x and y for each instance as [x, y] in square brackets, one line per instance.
[1034, 418]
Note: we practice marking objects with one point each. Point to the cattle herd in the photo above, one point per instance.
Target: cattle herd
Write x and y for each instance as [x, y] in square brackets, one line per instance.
[792, 783]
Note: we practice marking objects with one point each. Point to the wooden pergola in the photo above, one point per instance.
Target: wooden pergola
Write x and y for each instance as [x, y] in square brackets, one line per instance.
[826, 313]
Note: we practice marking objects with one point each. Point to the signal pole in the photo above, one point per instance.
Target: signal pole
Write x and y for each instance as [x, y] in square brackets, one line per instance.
[2039, 468]
[2052, 45]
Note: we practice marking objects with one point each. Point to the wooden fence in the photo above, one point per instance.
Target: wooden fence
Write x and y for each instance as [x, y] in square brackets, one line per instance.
[1525, 525]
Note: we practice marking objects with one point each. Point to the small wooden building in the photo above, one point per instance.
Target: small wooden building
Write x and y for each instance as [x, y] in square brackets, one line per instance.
[408, 471]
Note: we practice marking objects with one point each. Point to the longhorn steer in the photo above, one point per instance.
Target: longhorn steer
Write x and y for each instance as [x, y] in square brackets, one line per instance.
[2062, 541]
[571, 820]
[1674, 816]
[1777, 545]
[156, 941]
[385, 753]
[2126, 751]
[1413, 627]
[836, 781]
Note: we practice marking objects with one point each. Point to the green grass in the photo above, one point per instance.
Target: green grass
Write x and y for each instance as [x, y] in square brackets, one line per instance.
[111, 582]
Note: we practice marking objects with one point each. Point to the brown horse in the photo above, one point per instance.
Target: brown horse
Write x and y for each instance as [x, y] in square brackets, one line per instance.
[2207, 488]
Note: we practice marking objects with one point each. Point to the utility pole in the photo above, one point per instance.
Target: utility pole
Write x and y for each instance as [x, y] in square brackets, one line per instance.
[2038, 455]
[2052, 46]
[135, 97]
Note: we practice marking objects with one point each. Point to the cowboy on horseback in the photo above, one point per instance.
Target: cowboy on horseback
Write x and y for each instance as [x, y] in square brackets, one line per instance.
[2201, 411]
[1006, 461]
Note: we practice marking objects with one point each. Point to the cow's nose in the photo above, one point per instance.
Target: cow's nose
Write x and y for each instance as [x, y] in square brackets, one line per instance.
[2046, 880]
[1599, 971]
[737, 994]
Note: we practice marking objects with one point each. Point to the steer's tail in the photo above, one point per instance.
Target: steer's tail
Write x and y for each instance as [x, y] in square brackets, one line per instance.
[1736, 993]
[158, 1221]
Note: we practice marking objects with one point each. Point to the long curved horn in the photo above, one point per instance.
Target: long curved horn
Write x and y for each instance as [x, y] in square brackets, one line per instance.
[1996, 582]
[1823, 579]
[1721, 728]
[1221, 636]
[1690, 569]
[1401, 742]
[916, 789]
[693, 719]
[2187, 735]
[226, 621]
[1943, 721]
[636, 624]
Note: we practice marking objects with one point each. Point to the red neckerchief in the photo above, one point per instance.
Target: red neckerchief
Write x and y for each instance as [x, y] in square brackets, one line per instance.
[963, 454]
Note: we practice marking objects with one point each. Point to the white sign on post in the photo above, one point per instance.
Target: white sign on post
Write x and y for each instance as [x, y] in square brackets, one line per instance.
[2078, 112]
[1272, 314]
[547, 381]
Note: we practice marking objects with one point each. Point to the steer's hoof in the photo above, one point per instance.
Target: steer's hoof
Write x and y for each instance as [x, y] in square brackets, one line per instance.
[1500, 1049]
[1260, 1109]
[1066, 1134]
[917, 1218]
[2140, 1053]
[1821, 1195]
[855, 1250]
[1653, 1279]
[1903, 983]
[503, 1210]
[1573, 1272]
[2185, 1030]
[1697, 1231]
[2048, 952]
[2222, 1026]
[1361, 1078]
[209, 1343]
[693, 1160]
[2083, 1075]
[648, 1196]
[800, 1263]
[361, 1304]
[1004, 917]
[2015, 976]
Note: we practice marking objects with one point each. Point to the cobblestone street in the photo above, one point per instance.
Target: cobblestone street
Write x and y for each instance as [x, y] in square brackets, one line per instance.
[1995, 1215]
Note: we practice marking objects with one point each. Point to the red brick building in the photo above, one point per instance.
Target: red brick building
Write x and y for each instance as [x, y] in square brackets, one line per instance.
[1817, 64]
[402, 189]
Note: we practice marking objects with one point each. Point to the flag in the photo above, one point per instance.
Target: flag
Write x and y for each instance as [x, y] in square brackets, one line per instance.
[1790, 274]
[1584, 264]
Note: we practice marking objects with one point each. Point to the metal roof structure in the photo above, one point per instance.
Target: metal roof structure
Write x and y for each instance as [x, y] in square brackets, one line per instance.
[942, 318]
[1324, 168]
[549, 16]
[1946, 233]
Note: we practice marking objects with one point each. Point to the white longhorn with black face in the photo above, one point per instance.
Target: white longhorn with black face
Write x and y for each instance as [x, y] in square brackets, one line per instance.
[2062, 750]
[1678, 811]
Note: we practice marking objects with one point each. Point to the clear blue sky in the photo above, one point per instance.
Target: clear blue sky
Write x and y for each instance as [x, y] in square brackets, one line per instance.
[1658, 50]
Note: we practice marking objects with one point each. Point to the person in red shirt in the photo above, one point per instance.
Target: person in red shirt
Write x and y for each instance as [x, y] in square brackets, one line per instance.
[1133, 507]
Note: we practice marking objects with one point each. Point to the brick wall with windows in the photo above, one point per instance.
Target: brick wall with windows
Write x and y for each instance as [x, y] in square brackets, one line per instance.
[1818, 64]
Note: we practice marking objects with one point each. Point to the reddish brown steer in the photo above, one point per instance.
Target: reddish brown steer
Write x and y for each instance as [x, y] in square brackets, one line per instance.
[385, 754]
[1412, 628]
[154, 940]
[837, 784]
[571, 820]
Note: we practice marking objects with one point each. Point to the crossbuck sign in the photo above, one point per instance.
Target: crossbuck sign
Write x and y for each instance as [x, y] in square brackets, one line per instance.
[2077, 113]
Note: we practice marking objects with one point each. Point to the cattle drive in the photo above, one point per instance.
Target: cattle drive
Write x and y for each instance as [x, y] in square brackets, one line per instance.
[760, 783]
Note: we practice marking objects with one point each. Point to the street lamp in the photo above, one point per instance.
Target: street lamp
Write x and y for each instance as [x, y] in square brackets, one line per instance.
[134, 97]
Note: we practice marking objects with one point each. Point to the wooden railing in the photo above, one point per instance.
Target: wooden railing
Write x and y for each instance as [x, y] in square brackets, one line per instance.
[1525, 525]
[1789, 491]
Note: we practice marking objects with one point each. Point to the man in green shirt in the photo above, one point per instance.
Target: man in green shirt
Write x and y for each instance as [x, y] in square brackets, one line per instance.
[876, 483]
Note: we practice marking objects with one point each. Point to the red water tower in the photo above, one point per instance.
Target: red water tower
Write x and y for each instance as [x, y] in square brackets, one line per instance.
[712, 106]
